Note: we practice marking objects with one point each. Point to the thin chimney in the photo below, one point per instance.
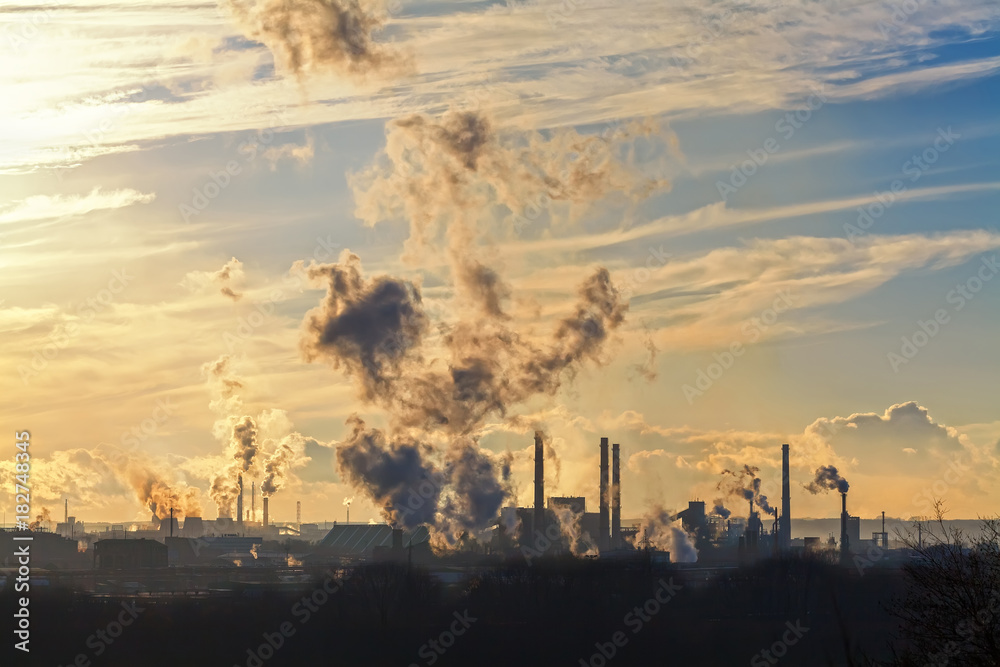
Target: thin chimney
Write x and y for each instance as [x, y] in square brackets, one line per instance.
[616, 498]
[844, 541]
[785, 525]
[265, 511]
[539, 482]
[239, 503]
[253, 500]
[603, 528]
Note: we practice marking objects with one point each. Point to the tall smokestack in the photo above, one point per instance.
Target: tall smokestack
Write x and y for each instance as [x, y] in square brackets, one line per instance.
[253, 500]
[239, 503]
[603, 528]
[539, 482]
[66, 520]
[844, 542]
[785, 524]
[616, 498]
[265, 511]
[298, 512]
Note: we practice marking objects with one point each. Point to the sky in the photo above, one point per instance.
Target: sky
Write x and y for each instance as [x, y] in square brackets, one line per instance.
[339, 246]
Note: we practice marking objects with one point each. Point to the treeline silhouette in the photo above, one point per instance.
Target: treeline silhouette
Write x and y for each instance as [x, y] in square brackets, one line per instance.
[553, 611]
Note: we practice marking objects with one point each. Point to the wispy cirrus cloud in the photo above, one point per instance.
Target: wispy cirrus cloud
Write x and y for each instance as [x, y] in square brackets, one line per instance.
[46, 207]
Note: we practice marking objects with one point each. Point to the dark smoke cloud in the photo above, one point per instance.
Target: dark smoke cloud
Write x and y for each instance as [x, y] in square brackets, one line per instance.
[365, 326]
[308, 36]
[720, 509]
[828, 479]
[244, 442]
[373, 329]
[457, 180]
[476, 490]
[395, 475]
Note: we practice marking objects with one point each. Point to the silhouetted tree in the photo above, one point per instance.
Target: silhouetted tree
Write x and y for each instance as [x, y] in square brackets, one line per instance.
[951, 610]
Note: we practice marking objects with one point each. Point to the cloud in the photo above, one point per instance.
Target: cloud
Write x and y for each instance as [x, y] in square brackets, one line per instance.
[46, 207]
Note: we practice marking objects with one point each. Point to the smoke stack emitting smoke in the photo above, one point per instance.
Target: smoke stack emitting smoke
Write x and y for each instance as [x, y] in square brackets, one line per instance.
[828, 479]
[743, 484]
[456, 179]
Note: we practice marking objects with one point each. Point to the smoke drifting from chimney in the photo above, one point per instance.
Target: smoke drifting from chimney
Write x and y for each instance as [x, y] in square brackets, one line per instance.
[395, 475]
[666, 534]
[720, 509]
[456, 180]
[746, 485]
[373, 330]
[828, 479]
[289, 453]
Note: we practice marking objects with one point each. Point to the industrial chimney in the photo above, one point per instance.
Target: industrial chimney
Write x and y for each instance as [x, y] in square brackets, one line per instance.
[539, 482]
[844, 541]
[603, 527]
[785, 523]
[239, 504]
[616, 498]
[264, 500]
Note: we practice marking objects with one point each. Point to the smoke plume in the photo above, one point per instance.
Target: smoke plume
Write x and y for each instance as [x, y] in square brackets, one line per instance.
[745, 484]
[320, 35]
[720, 509]
[43, 520]
[828, 479]
[457, 180]
[395, 475]
[373, 329]
[289, 453]
[668, 535]
[160, 495]
[475, 490]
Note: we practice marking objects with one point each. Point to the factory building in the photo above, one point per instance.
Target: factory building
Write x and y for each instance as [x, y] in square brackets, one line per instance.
[129, 554]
